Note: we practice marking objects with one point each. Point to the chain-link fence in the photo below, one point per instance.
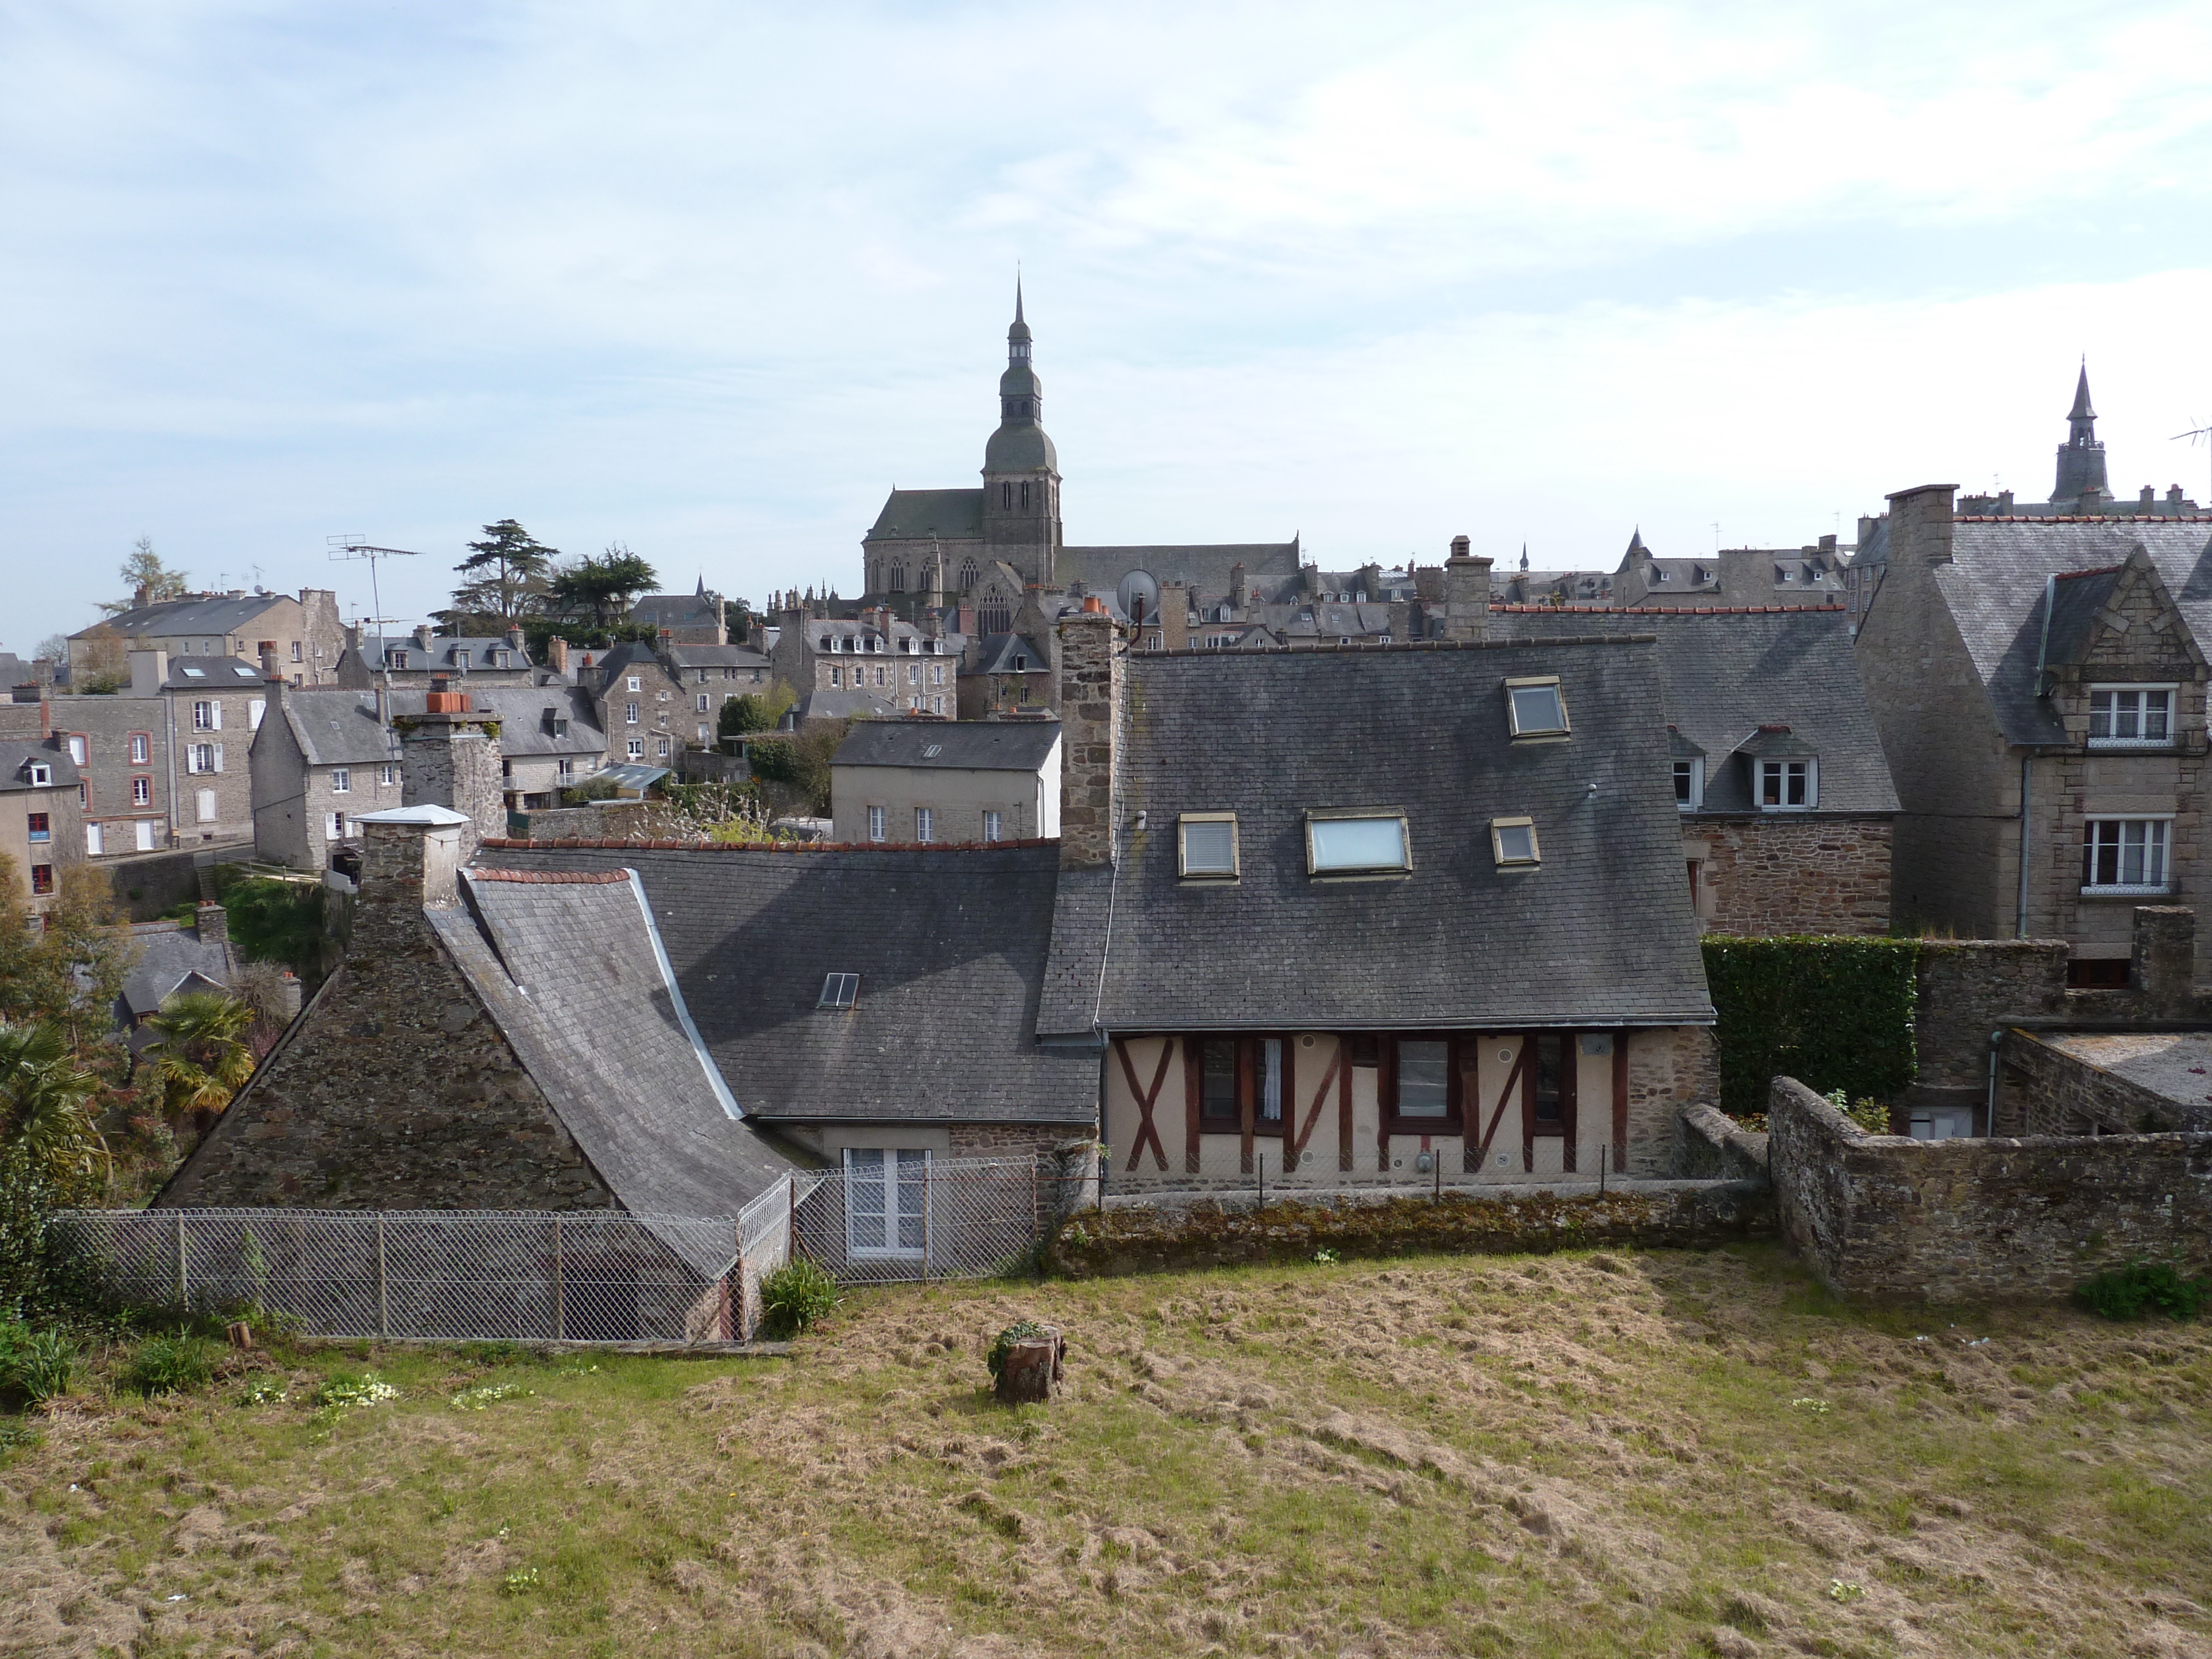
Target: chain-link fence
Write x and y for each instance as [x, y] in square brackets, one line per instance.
[891, 1216]
[588, 1276]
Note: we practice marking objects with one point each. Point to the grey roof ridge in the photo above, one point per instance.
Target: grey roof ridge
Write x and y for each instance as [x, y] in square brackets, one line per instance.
[676, 999]
[514, 844]
[1203, 653]
[2202, 515]
[1518, 609]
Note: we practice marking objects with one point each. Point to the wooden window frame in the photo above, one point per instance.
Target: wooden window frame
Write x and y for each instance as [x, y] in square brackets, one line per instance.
[1453, 1121]
[1535, 859]
[1562, 732]
[1245, 1119]
[1184, 872]
[1564, 1130]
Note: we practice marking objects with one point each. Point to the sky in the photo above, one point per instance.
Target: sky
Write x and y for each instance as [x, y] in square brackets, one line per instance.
[709, 279]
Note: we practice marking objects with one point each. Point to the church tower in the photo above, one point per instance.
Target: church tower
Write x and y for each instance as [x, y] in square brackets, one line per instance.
[1021, 471]
[2081, 458]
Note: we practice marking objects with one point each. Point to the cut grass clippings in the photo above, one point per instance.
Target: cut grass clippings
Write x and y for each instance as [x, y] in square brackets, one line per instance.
[1573, 1454]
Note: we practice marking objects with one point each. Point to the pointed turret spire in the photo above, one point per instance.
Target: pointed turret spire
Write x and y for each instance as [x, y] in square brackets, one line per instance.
[2080, 411]
[1524, 556]
[2081, 458]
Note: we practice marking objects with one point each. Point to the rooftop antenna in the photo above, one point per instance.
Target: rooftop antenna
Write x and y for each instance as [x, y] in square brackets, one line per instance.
[347, 548]
[2195, 434]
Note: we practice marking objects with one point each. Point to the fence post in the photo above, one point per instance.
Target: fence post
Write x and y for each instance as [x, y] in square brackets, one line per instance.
[791, 1250]
[183, 1279]
[929, 1217]
[383, 1294]
[560, 1311]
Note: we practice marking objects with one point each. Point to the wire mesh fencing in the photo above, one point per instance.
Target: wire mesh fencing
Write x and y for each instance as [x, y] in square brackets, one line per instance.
[894, 1216]
[577, 1276]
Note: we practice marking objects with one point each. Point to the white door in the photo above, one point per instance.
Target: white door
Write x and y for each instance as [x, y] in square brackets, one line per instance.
[93, 841]
[146, 827]
[207, 806]
[886, 1201]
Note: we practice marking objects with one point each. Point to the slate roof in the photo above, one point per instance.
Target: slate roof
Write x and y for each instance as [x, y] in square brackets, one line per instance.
[715, 656]
[574, 975]
[1723, 674]
[1455, 943]
[215, 613]
[1323, 619]
[17, 754]
[1205, 568]
[2076, 600]
[959, 745]
[995, 655]
[455, 653]
[675, 611]
[951, 515]
[950, 947]
[340, 728]
[14, 671]
[212, 674]
[169, 955]
[1994, 588]
[840, 706]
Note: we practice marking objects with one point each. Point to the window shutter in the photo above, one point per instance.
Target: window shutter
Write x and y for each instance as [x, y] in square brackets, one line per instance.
[218, 748]
[215, 716]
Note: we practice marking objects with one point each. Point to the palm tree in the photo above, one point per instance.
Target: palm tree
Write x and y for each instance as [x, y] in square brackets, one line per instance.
[202, 1057]
[44, 1097]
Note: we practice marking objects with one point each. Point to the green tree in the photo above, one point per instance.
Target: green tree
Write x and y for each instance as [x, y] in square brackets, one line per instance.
[599, 590]
[143, 569]
[45, 1103]
[69, 970]
[271, 919]
[754, 712]
[507, 574]
[203, 1054]
[799, 765]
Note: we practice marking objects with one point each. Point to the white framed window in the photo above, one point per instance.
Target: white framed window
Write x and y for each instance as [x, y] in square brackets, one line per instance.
[254, 711]
[207, 715]
[2132, 716]
[700, 731]
[141, 792]
[39, 775]
[635, 748]
[992, 821]
[1513, 843]
[147, 829]
[94, 841]
[632, 684]
[210, 811]
[203, 757]
[502, 660]
[887, 1202]
[1535, 707]
[334, 826]
[1207, 846]
[565, 768]
[387, 777]
[702, 699]
[1357, 843]
[836, 677]
[660, 747]
[341, 780]
[1788, 785]
[2124, 856]
[629, 714]
[297, 654]
[142, 748]
[877, 829]
[925, 824]
[396, 658]
[1689, 784]
[77, 751]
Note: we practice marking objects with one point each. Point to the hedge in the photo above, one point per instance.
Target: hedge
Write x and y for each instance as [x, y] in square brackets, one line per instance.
[1833, 1012]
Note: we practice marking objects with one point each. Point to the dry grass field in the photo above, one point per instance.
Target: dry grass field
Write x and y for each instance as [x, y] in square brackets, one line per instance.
[1573, 1454]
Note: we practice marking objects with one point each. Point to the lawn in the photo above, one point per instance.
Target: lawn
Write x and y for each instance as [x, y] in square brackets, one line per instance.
[1578, 1454]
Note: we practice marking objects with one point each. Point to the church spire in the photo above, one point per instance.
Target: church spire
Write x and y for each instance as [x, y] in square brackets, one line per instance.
[2081, 456]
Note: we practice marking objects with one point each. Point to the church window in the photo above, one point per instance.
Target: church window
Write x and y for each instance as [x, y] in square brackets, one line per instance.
[1006, 495]
[967, 573]
[1025, 495]
[898, 582]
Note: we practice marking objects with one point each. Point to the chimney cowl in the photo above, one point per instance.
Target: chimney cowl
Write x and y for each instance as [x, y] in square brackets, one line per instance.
[1460, 545]
[1094, 606]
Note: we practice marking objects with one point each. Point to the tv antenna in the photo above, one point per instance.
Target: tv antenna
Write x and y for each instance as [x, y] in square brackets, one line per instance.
[2195, 434]
[347, 548]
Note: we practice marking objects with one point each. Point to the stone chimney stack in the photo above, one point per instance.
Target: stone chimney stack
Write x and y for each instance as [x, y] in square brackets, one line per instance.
[1091, 669]
[213, 922]
[1466, 593]
[514, 637]
[138, 597]
[1174, 616]
[422, 636]
[450, 758]
[1920, 526]
[411, 858]
[1236, 587]
[556, 655]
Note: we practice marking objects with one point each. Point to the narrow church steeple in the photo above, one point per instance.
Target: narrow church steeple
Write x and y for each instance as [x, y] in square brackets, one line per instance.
[1021, 471]
[2081, 456]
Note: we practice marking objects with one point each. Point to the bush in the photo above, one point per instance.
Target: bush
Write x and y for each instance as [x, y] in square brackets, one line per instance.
[41, 1270]
[796, 1295]
[1833, 1012]
[172, 1364]
[1869, 1115]
[36, 1366]
[280, 921]
[590, 790]
[2142, 1289]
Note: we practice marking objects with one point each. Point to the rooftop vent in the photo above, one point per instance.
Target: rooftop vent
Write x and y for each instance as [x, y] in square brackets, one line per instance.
[838, 990]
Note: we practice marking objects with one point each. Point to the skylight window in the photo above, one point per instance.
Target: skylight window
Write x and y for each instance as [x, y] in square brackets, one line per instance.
[1513, 843]
[1535, 708]
[838, 990]
[196, 673]
[1205, 847]
[932, 751]
[1353, 842]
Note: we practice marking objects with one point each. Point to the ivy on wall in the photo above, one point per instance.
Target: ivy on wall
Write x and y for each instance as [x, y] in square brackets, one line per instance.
[1833, 1012]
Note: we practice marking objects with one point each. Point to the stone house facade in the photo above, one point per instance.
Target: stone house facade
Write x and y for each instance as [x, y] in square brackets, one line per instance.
[647, 715]
[41, 825]
[126, 750]
[321, 761]
[297, 638]
[967, 781]
[914, 669]
[2039, 683]
[413, 659]
[203, 713]
[712, 675]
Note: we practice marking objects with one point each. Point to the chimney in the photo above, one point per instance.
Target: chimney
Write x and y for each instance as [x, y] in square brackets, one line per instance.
[1237, 592]
[1090, 698]
[443, 699]
[514, 640]
[423, 635]
[1174, 616]
[556, 655]
[411, 856]
[150, 672]
[451, 758]
[1466, 593]
[268, 662]
[2163, 964]
[1920, 525]
[138, 597]
[213, 922]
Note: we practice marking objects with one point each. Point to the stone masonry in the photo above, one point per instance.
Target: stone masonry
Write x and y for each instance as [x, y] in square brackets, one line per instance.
[452, 758]
[1090, 703]
[1669, 1071]
[394, 1090]
[1778, 874]
[1882, 1215]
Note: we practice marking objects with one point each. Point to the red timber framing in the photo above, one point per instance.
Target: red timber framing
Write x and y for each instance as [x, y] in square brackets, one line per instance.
[1294, 1145]
[1562, 1126]
[1146, 1099]
[1475, 1152]
[1619, 1102]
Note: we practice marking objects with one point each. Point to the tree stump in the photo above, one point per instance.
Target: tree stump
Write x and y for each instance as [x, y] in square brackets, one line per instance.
[1033, 1368]
[240, 1333]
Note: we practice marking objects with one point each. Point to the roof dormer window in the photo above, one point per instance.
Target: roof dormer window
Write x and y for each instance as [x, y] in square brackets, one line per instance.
[2132, 716]
[1536, 707]
[1788, 784]
[39, 776]
[1356, 842]
[396, 659]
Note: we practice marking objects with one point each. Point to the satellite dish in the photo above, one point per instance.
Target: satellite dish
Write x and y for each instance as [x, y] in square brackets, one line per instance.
[1139, 597]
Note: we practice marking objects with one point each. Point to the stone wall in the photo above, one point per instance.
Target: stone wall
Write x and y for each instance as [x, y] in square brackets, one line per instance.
[454, 761]
[1715, 1147]
[1006, 1139]
[1091, 708]
[1968, 989]
[1669, 1070]
[394, 1090]
[1881, 1215]
[2046, 1091]
[1135, 1237]
[1793, 874]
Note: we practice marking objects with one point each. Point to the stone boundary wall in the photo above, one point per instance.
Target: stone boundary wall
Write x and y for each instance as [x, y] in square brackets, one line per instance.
[1883, 1215]
[1781, 874]
[1165, 1235]
[1968, 989]
[2047, 1092]
[1715, 1147]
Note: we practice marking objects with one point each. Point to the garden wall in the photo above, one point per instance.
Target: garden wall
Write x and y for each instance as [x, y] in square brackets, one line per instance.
[1882, 1215]
[1170, 1235]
